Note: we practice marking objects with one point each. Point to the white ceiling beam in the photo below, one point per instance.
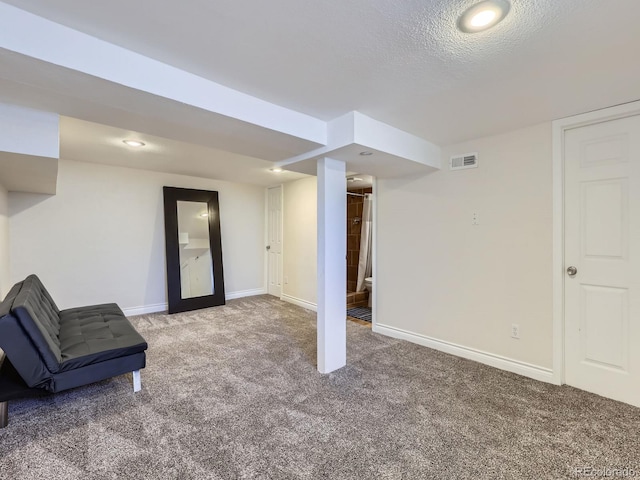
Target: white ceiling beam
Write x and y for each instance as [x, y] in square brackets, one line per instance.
[29, 150]
[29, 132]
[27, 34]
[394, 153]
[385, 138]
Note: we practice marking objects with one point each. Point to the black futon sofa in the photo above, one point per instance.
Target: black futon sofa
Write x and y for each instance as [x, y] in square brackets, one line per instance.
[52, 350]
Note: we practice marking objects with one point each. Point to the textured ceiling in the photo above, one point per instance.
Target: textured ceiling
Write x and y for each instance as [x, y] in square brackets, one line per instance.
[402, 62]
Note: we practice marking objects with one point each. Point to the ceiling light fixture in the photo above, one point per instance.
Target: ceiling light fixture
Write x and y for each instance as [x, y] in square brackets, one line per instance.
[276, 169]
[483, 15]
[365, 154]
[133, 143]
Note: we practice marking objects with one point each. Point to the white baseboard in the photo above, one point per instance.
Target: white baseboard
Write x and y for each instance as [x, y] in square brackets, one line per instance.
[497, 361]
[162, 307]
[300, 302]
[245, 293]
[155, 308]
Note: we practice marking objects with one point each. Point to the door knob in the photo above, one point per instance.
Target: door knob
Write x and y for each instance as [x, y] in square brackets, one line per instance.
[268, 247]
[571, 271]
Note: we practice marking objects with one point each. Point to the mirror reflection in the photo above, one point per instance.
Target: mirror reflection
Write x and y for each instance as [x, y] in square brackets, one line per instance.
[196, 265]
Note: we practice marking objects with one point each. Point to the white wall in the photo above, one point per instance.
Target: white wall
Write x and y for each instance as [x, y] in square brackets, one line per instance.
[101, 238]
[300, 241]
[441, 277]
[5, 280]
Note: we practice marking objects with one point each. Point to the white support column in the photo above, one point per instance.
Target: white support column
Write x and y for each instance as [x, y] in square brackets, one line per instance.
[332, 265]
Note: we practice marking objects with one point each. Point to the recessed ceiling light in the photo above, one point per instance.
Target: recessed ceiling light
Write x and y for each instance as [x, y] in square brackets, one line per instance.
[483, 15]
[365, 154]
[133, 143]
[276, 169]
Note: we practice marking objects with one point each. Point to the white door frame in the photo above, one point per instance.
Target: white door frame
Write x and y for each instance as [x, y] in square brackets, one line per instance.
[558, 129]
[374, 257]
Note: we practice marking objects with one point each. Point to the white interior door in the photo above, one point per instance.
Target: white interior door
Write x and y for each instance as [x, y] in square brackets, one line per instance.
[274, 234]
[602, 242]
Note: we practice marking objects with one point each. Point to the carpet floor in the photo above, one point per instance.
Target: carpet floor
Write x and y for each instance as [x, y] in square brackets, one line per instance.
[233, 392]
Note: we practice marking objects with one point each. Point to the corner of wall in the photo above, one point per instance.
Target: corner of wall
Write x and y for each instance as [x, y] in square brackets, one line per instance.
[5, 277]
[300, 241]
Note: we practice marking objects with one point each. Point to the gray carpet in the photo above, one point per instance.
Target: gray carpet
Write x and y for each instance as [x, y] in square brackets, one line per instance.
[232, 392]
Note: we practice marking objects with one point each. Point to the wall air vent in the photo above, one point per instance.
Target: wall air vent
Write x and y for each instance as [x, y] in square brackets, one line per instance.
[468, 160]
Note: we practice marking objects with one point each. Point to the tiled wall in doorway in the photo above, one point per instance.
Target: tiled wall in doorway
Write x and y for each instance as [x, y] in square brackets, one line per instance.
[354, 224]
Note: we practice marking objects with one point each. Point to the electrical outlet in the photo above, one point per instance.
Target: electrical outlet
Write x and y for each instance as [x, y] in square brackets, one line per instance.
[475, 219]
[515, 330]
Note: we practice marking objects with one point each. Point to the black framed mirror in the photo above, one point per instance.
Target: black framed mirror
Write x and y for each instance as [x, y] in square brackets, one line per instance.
[194, 249]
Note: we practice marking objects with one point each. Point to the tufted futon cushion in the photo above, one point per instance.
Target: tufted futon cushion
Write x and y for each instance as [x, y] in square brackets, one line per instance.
[95, 334]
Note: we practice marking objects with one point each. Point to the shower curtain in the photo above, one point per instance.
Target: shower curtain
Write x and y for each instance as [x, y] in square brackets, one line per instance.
[366, 237]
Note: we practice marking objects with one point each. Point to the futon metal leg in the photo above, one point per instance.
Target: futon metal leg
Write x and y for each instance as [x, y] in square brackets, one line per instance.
[4, 414]
[137, 384]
